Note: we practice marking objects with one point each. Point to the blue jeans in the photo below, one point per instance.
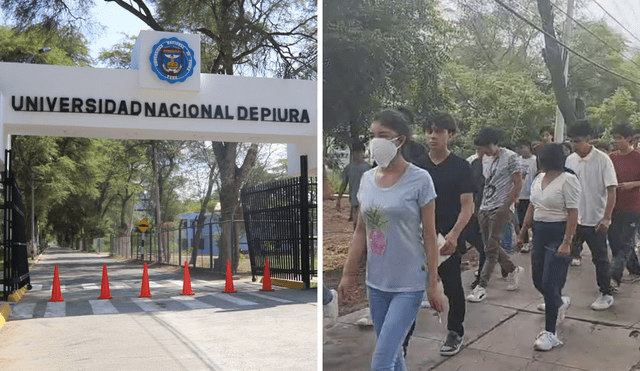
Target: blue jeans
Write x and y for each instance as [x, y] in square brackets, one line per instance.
[392, 313]
[622, 240]
[327, 296]
[548, 269]
[507, 236]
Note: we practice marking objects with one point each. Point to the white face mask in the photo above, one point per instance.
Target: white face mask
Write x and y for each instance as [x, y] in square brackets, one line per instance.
[383, 151]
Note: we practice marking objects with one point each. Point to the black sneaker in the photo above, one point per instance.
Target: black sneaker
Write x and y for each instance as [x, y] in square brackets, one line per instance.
[475, 283]
[452, 345]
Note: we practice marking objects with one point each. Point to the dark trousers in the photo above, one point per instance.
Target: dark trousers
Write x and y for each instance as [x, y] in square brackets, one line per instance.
[548, 269]
[597, 243]
[474, 237]
[633, 266]
[521, 212]
[622, 240]
[450, 274]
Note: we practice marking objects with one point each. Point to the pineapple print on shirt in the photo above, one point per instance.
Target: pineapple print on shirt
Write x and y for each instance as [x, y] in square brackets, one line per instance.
[376, 222]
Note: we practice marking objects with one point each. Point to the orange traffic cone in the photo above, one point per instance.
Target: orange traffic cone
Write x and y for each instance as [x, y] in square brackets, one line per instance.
[266, 280]
[144, 291]
[56, 294]
[186, 282]
[228, 286]
[105, 293]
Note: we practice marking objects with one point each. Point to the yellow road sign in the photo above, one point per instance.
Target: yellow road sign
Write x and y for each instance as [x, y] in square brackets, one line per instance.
[143, 226]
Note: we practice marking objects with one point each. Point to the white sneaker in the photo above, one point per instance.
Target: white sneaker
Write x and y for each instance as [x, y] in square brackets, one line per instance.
[602, 302]
[541, 307]
[562, 311]
[514, 279]
[330, 311]
[365, 321]
[546, 341]
[477, 295]
[526, 247]
[576, 262]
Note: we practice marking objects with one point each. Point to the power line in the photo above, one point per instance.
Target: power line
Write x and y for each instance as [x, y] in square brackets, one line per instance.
[596, 36]
[563, 44]
[612, 17]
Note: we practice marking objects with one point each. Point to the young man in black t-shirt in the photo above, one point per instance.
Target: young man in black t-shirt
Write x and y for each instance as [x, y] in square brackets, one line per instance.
[454, 207]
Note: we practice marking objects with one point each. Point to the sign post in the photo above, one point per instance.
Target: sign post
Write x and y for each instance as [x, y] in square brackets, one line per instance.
[143, 226]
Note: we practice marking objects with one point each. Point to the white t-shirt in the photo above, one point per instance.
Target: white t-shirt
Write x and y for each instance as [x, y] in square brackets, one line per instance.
[529, 171]
[595, 172]
[551, 204]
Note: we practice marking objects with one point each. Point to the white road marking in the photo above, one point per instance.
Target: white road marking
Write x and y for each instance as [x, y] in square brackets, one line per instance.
[90, 286]
[268, 297]
[23, 310]
[55, 309]
[36, 287]
[154, 284]
[175, 282]
[102, 307]
[232, 299]
[119, 285]
[148, 305]
[191, 302]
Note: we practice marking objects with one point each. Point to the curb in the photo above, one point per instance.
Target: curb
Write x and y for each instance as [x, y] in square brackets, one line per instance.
[6, 307]
[297, 285]
[5, 311]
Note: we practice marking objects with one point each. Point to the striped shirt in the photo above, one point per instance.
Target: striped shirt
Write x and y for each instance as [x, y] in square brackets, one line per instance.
[498, 173]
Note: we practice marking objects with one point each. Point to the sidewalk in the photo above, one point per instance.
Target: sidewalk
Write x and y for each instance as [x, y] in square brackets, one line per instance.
[500, 331]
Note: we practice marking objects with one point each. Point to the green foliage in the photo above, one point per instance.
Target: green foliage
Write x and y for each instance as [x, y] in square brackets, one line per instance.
[119, 56]
[620, 107]
[68, 45]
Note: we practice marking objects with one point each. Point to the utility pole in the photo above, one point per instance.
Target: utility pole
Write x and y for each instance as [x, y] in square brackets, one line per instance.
[558, 135]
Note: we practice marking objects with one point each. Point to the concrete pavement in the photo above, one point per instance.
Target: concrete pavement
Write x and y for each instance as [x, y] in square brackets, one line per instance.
[500, 331]
[250, 330]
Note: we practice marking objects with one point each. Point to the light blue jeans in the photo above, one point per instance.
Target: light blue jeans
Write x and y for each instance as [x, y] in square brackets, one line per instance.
[393, 314]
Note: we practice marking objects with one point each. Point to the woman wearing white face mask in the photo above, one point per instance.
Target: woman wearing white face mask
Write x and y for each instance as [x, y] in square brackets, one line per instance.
[396, 229]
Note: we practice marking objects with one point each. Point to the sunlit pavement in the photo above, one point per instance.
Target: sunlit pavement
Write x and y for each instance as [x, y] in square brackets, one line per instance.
[250, 330]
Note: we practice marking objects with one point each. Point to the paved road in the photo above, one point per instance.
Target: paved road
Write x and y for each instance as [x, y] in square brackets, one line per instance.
[250, 330]
[501, 330]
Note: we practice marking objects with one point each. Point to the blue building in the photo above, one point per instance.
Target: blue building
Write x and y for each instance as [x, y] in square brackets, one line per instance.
[211, 233]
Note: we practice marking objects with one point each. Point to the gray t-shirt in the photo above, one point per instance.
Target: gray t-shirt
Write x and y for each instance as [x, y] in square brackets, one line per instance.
[498, 178]
[352, 174]
[395, 248]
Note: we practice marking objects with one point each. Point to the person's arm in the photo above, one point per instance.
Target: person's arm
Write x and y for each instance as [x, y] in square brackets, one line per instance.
[526, 224]
[429, 235]
[466, 203]
[357, 251]
[605, 222]
[343, 187]
[515, 191]
[629, 185]
[572, 224]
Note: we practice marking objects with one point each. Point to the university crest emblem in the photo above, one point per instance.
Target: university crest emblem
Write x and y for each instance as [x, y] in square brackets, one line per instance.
[172, 60]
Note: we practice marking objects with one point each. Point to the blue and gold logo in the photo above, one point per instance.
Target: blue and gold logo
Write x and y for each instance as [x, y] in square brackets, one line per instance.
[172, 60]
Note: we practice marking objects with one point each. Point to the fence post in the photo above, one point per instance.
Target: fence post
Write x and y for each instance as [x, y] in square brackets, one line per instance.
[304, 221]
[211, 243]
[180, 242]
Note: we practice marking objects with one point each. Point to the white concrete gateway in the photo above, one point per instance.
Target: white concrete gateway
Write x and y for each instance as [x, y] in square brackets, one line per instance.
[163, 97]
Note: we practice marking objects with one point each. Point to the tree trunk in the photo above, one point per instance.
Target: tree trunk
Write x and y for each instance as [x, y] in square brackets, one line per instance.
[231, 179]
[552, 54]
[156, 178]
[201, 216]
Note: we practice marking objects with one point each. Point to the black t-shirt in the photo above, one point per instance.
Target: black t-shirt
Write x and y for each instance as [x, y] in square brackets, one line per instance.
[451, 178]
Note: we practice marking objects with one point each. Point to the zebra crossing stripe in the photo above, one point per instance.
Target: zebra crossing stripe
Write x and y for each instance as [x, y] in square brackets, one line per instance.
[102, 307]
[154, 284]
[269, 297]
[36, 287]
[176, 282]
[233, 299]
[191, 302]
[119, 285]
[148, 305]
[55, 309]
[89, 286]
[23, 311]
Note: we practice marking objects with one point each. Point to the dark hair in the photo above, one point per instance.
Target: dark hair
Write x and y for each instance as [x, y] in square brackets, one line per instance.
[546, 129]
[567, 145]
[395, 121]
[552, 157]
[358, 146]
[487, 136]
[624, 128]
[441, 121]
[580, 129]
[523, 143]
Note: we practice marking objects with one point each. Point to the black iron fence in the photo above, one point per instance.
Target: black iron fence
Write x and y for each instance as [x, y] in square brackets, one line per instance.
[174, 246]
[16, 255]
[281, 224]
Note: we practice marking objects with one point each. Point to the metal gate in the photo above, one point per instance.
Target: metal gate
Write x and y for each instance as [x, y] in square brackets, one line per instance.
[16, 256]
[281, 225]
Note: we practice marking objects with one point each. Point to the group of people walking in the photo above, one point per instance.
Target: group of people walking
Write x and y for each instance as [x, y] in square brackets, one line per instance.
[404, 205]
